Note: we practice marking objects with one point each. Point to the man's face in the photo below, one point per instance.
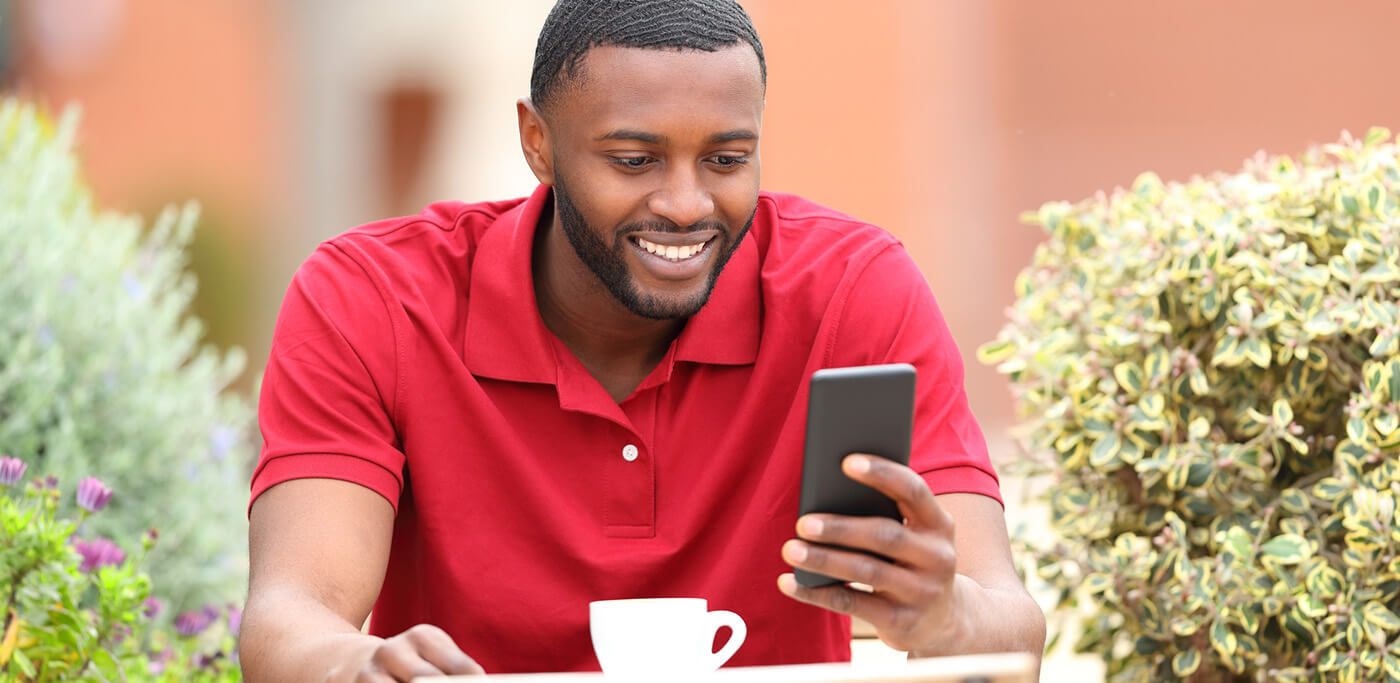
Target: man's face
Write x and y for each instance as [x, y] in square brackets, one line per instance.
[656, 170]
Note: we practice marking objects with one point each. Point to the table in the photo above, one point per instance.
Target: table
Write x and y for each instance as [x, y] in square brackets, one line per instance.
[996, 668]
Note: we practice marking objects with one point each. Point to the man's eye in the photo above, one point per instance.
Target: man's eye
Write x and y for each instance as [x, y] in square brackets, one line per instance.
[632, 163]
[727, 161]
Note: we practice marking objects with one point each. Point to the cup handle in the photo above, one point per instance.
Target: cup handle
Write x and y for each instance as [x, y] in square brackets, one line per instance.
[738, 631]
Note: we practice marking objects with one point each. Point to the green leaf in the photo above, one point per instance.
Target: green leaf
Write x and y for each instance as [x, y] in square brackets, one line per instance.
[25, 666]
[1350, 205]
[1282, 413]
[1158, 365]
[1300, 626]
[1311, 607]
[1294, 501]
[1349, 672]
[1329, 661]
[1378, 614]
[1357, 431]
[1199, 383]
[1391, 666]
[1223, 639]
[1130, 377]
[1105, 452]
[1257, 352]
[1096, 584]
[106, 663]
[1152, 404]
[1286, 549]
[1185, 663]
[995, 352]
[1324, 581]
[1386, 423]
[1097, 427]
[1376, 135]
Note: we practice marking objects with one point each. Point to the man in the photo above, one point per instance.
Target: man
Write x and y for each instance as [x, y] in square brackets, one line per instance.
[480, 418]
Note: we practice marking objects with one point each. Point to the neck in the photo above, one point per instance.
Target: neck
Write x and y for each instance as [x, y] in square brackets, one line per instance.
[618, 347]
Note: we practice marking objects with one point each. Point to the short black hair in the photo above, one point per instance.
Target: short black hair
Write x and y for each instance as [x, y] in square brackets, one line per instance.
[576, 26]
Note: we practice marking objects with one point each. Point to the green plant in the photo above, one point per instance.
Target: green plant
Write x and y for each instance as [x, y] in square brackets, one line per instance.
[101, 368]
[76, 608]
[1209, 377]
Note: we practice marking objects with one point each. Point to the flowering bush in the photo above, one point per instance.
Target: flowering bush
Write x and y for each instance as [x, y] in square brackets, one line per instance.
[77, 607]
[1211, 377]
[101, 367]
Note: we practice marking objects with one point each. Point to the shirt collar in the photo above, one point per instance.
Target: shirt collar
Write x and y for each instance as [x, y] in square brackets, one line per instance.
[506, 338]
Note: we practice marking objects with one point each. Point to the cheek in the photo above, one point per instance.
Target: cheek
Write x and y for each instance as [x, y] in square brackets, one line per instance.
[736, 203]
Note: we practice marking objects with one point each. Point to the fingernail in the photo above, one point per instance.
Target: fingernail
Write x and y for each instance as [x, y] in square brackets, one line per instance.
[787, 583]
[858, 464]
[795, 551]
[811, 527]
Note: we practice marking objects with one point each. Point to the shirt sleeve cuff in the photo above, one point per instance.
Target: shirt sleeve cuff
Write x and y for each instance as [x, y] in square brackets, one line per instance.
[963, 479]
[327, 466]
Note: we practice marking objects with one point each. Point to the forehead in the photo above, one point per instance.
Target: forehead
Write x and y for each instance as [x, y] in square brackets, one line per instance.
[629, 87]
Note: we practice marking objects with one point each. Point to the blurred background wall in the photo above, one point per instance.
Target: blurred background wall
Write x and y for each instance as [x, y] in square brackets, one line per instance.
[941, 120]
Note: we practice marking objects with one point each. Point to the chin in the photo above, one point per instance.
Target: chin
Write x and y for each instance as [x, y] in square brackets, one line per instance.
[669, 305]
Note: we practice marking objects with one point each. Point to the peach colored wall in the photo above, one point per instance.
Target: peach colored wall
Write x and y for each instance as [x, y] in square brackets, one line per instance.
[940, 120]
[943, 121]
[186, 93]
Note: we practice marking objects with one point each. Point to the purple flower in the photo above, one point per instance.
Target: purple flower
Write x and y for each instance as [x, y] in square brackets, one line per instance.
[93, 494]
[158, 661]
[235, 619]
[98, 553]
[11, 470]
[207, 662]
[221, 440]
[152, 607]
[193, 623]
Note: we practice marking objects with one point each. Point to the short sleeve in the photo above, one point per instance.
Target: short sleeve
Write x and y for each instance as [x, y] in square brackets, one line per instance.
[325, 410]
[890, 316]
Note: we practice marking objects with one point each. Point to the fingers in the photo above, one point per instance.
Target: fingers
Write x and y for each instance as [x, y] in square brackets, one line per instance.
[438, 649]
[900, 543]
[870, 607]
[397, 659]
[901, 484]
[887, 579]
[424, 650]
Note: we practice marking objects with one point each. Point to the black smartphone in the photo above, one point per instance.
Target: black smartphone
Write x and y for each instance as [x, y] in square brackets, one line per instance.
[866, 409]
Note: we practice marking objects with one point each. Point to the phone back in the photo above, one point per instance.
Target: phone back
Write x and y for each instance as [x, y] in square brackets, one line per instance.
[866, 409]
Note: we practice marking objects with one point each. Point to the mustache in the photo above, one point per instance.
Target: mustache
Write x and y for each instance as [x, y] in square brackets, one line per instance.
[669, 226]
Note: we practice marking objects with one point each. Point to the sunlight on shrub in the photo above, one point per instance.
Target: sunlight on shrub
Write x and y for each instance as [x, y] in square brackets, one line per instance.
[1209, 377]
[101, 368]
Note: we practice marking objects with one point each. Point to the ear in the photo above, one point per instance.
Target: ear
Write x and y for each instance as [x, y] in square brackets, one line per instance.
[534, 141]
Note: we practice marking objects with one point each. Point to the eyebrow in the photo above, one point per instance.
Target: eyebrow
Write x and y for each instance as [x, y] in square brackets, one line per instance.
[654, 139]
[632, 134]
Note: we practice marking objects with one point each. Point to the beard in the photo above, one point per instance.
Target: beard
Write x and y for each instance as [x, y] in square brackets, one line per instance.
[609, 264]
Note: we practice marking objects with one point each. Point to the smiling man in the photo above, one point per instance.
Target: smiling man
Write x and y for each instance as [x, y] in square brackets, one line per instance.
[482, 417]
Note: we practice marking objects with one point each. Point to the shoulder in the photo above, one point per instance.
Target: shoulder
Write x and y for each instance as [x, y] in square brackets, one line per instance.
[796, 220]
[423, 250]
[825, 251]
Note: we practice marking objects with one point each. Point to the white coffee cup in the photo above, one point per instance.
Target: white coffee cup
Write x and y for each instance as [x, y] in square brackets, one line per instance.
[661, 635]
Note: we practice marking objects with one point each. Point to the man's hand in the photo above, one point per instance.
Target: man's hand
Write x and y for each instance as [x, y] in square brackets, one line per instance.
[912, 607]
[423, 650]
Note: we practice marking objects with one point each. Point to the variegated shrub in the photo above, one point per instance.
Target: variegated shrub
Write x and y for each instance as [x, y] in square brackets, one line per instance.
[1210, 379]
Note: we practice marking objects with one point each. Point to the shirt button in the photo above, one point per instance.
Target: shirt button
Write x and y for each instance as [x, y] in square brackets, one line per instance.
[629, 452]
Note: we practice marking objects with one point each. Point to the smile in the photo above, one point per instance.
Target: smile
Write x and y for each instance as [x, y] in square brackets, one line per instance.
[674, 253]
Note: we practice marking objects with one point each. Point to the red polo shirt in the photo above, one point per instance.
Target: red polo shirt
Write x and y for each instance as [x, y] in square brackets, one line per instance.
[410, 358]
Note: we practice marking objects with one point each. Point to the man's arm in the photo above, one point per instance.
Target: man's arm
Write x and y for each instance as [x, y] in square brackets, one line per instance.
[318, 551]
[944, 593]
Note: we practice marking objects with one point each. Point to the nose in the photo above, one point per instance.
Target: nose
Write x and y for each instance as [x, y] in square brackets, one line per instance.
[684, 200]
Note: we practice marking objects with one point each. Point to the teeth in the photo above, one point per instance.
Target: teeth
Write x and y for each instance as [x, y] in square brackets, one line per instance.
[673, 253]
